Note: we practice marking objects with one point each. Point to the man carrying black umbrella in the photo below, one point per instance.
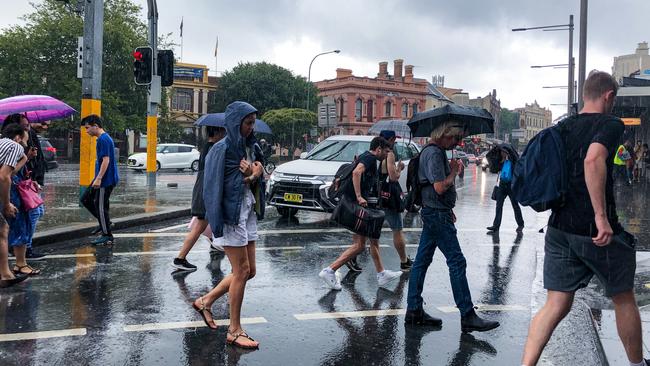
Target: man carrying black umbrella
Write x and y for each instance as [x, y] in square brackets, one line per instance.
[437, 177]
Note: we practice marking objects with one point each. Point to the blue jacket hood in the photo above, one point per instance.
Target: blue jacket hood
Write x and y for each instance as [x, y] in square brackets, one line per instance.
[235, 112]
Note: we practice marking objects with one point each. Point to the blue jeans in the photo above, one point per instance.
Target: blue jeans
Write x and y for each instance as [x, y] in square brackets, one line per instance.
[34, 216]
[439, 231]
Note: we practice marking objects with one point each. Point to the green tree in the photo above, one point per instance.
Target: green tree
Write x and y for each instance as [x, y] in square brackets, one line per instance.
[266, 86]
[509, 121]
[40, 58]
[284, 121]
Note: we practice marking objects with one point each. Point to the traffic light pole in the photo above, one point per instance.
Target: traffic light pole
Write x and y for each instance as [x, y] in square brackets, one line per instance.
[154, 97]
[91, 86]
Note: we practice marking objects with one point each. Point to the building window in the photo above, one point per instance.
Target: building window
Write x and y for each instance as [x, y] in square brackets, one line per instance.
[415, 108]
[388, 109]
[358, 108]
[340, 109]
[182, 99]
[369, 110]
[405, 110]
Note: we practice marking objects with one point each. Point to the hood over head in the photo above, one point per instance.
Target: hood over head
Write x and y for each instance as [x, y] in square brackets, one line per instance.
[235, 112]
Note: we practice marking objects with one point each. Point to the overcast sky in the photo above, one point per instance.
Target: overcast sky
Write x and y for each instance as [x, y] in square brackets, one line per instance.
[468, 41]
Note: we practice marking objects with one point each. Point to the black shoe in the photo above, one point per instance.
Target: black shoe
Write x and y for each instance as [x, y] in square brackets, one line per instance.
[183, 265]
[353, 265]
[472, 322]
[33, 255]
[420, 317]
[406, 266]
[520, 228]
[492, 228]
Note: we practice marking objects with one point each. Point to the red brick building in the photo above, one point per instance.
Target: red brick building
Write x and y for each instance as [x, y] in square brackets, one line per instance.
[362, 101]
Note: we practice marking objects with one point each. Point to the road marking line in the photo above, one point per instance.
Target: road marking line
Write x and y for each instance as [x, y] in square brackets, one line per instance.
[41, 335]
[60, 256]
[345, 246]
[181, 325]
[350, 314]
[485, 307]
[169, 228]
[163, 252]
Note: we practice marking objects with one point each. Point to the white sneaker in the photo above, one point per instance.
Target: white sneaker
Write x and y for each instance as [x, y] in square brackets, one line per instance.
[387, 277]
[216, 245]
[331, 279]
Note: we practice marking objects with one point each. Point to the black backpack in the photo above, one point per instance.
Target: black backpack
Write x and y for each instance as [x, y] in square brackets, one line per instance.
[342, 180]
[413, 185]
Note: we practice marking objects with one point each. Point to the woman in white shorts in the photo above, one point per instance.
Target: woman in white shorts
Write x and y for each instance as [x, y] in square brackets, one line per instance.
[232, 176]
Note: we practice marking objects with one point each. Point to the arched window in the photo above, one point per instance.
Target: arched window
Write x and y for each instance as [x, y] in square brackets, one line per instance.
[405, 110]
[389, 108]
[358, 107]
[369, 110]
[415, 108]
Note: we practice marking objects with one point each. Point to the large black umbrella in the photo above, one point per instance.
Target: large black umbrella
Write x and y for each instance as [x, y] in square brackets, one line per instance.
[476, 120]
[494, 156]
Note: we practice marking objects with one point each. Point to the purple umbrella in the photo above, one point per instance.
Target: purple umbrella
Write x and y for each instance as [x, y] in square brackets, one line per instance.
[38, 108]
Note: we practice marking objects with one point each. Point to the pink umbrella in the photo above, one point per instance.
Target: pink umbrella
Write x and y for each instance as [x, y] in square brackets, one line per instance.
[38, 108]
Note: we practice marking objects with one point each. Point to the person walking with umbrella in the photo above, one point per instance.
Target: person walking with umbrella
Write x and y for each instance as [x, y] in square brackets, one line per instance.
[507, 160]
[437, 176]
[106, 178]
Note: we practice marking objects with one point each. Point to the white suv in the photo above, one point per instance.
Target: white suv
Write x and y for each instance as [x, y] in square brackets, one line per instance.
[303, 184]
[179, 156]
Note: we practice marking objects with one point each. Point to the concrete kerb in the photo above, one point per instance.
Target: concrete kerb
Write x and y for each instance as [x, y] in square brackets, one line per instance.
[80, 230]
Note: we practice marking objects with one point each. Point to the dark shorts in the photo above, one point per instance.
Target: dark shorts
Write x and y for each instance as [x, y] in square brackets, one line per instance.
[572, 260]
[394, 220]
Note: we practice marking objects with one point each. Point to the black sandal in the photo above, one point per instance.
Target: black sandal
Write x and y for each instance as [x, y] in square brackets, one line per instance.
[233, 342]
[202, 311]
[12, 281]
[32, 271]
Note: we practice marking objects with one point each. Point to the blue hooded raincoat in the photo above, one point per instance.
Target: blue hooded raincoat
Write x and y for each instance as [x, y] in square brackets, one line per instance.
[223, 182]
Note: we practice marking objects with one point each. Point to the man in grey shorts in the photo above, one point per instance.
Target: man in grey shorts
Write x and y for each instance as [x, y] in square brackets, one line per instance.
[584, 237]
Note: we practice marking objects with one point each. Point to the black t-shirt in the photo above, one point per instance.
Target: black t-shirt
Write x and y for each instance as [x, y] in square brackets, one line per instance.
[577, 215]
[204, 152]
[369, 179]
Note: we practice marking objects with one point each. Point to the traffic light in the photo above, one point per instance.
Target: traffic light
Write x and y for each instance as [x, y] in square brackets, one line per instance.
[143, 65]
[166, 67]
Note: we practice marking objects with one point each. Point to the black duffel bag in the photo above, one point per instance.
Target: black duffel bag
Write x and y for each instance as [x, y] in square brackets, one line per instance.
[391, 196]
[360, 220]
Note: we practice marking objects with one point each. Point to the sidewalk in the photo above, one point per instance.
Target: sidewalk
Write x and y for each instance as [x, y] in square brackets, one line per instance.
[131, 200]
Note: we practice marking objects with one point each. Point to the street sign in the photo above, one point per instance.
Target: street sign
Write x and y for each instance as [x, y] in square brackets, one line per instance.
[518, 133]
[327, 113]
[80, 57]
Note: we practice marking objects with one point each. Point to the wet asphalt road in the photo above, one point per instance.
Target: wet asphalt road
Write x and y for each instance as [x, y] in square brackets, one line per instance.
[123, 305]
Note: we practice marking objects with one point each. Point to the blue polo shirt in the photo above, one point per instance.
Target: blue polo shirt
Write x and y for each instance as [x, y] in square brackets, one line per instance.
[106, 147]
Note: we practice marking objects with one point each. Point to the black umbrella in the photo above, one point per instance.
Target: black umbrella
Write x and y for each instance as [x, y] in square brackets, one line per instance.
[476, 120]
[494, 156]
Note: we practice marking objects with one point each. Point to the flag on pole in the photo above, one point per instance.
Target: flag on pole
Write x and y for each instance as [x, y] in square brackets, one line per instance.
[181, 26]
[216, 47]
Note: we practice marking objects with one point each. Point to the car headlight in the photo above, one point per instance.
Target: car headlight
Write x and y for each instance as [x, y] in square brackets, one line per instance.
[325, 178]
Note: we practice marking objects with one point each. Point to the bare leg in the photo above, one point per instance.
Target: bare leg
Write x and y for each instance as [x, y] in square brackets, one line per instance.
[400, 245]
[628, 324]
[558, 305]
[192, 237]
[374, 253]
[19, 252]
[358, 244]
[5, 272]
[241, 271]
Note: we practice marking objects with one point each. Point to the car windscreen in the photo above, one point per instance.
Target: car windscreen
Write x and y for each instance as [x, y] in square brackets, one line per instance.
[338, 150]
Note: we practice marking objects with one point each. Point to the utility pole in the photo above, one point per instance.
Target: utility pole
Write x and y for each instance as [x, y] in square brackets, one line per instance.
[91, 86]
[153, 98]
[582, 56]
[570, 95]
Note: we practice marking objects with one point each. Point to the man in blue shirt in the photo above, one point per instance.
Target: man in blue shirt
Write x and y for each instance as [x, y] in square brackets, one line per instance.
[504, 190]
[106, 178]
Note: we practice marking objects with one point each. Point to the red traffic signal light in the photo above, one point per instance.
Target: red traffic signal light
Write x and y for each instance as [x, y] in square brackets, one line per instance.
[143, 65]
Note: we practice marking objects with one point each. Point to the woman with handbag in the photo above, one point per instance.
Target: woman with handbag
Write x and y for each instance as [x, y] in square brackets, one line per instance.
[503, 190]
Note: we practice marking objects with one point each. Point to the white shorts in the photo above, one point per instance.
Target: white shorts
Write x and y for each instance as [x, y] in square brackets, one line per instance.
[239, 235]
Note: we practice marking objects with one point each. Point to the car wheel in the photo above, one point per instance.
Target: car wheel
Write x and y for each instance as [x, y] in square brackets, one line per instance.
[195, 166]
[287, 211]
[158, 166]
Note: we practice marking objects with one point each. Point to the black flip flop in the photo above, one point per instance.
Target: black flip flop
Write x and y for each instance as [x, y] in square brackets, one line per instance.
[13, 281]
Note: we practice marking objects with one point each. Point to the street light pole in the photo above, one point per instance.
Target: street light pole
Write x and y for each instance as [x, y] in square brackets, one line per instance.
[571, 76]
[582, 51]
[309, 73]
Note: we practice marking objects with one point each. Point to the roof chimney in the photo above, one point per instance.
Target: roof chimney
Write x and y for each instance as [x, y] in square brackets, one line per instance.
[343, 73]
[383, 70]
[397, 69]
[408, 73]
[642, 49]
